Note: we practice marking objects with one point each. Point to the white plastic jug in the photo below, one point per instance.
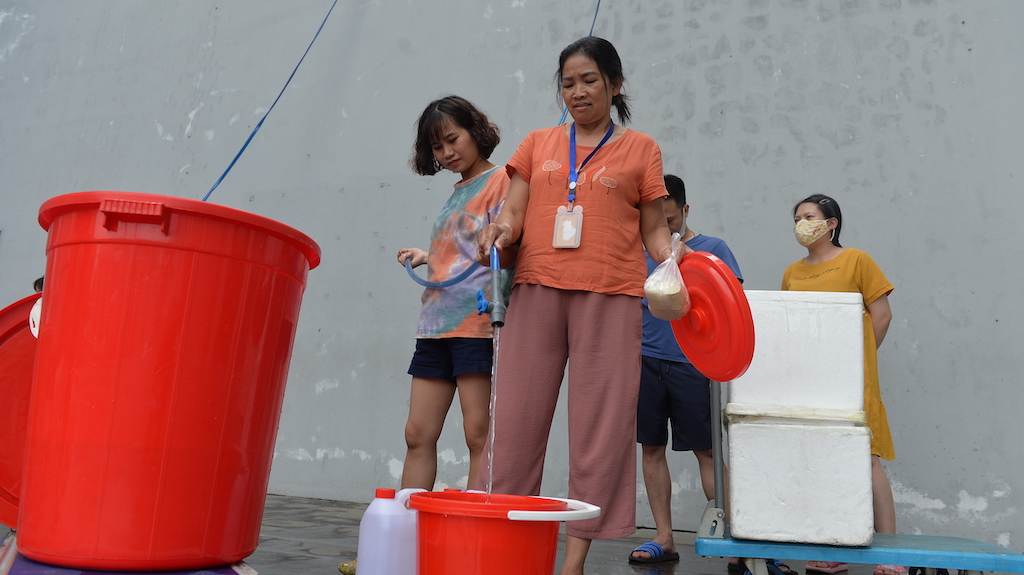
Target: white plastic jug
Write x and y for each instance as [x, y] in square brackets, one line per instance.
[387, 535]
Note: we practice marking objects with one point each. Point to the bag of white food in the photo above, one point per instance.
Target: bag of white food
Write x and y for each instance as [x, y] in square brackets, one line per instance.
[666, 294]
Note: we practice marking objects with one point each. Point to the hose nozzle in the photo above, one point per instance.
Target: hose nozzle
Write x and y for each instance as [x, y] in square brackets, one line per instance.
[497, 307]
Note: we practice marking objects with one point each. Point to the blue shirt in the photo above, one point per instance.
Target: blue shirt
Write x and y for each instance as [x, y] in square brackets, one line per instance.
[659, 341]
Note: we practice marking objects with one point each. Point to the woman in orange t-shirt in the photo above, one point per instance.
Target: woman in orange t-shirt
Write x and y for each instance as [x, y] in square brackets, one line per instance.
[583, 202]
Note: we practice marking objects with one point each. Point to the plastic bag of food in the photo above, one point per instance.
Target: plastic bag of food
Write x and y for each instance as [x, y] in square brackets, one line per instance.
[666, 294]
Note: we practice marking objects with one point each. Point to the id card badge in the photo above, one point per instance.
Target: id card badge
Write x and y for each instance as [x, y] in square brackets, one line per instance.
[568, 225]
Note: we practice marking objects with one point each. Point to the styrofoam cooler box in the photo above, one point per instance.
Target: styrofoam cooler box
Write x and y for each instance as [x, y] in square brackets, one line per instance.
[809, 351]
[806, 483]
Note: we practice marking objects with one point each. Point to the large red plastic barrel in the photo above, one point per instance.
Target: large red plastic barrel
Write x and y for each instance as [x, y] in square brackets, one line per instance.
[164, 344]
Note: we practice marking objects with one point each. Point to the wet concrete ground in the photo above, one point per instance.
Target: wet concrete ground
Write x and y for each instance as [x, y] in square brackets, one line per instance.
[311, 536]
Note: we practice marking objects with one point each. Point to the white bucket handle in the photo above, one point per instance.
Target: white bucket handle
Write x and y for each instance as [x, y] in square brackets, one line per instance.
[577, 510]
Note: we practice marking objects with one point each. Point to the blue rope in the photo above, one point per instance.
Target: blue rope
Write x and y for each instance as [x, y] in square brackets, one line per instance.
[257, 129]
[595, 18]
[565, 109]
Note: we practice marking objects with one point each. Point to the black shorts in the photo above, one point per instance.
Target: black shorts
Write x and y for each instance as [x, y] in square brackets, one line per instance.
[677, 392]
[450, 357]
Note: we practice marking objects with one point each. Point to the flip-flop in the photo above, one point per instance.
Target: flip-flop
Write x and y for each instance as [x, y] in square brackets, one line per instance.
[782, 567]
[775, 567]
[899, 570]
[832, 567]
[656, 551]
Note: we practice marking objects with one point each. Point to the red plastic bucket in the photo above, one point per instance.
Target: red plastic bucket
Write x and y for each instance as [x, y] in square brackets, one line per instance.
[17, 358]
[460, 533]
[164, 344]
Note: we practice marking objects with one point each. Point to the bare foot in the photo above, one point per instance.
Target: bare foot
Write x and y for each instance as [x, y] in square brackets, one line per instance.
[826, 566]
[890, 570]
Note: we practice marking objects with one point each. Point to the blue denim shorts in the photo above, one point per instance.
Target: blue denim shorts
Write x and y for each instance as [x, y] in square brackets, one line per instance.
[450, 357]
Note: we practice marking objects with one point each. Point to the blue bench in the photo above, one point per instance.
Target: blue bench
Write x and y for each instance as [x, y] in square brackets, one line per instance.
[926, 551]
[969, 555]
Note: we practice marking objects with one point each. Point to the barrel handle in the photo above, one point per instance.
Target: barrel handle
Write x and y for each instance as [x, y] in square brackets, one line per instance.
[135, 211]
[577, 510]
[402, 497]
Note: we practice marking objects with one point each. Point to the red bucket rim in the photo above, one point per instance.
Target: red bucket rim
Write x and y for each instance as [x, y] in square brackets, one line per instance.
[10, 322]
[467, 504]
[58, 205]
[13, 319]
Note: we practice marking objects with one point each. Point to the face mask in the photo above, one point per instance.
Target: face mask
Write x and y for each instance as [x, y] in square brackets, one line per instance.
[809, 231]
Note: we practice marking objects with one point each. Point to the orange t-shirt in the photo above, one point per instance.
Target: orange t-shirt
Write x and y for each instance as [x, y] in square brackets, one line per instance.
[622, 175]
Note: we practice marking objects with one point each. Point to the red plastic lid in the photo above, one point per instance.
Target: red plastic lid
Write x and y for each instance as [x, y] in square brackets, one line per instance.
[385, 493]
[495, 505]
[717, 335]
[17, 362]
[54, 207]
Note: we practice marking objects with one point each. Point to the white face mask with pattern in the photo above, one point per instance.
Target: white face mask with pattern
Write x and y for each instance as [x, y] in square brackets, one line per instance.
[809, 231]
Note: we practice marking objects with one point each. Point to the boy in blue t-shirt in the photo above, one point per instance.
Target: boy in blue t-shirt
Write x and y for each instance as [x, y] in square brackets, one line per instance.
[672, 390]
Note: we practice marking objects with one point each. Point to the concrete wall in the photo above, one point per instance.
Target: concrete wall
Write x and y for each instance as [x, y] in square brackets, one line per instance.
[904, 110]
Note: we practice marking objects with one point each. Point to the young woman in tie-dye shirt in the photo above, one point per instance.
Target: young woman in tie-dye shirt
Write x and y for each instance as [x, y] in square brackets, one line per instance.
[453, 342]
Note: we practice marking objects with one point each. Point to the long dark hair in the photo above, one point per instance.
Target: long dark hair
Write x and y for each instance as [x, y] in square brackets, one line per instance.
[608, 63]
[829, 209]
[433, 120]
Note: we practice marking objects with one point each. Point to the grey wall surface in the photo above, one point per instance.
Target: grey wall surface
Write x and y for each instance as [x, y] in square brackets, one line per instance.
[907, 111]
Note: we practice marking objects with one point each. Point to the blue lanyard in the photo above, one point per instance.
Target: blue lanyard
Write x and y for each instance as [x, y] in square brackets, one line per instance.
[574, 171]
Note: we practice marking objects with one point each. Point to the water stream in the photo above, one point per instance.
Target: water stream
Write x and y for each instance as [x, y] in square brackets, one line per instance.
[497, 320]
[494, 397]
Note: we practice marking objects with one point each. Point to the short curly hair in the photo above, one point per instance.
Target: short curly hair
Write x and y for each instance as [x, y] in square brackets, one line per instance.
[437, 115]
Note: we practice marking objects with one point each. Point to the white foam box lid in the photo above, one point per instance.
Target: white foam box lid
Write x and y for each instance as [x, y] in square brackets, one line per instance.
[808, 351]
[800, 483]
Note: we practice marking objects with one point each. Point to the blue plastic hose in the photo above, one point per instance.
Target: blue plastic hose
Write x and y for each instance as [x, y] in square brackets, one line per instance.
[439, 285]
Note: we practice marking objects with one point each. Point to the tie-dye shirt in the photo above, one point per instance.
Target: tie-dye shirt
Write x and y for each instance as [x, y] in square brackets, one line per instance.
[451, 311]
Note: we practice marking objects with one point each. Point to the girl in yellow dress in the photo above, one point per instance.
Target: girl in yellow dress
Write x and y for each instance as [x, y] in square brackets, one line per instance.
[831, 267]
